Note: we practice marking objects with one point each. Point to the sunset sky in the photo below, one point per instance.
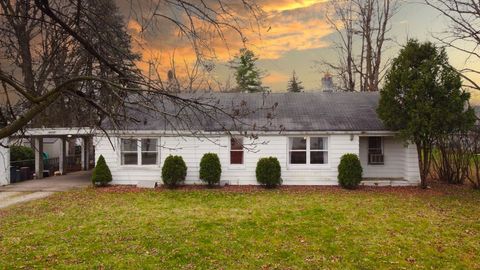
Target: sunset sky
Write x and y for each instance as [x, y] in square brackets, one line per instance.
[295, 36]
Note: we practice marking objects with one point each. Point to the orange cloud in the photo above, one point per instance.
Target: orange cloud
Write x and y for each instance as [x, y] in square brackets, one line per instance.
[134, 27]
[283, 5]
[288, 25]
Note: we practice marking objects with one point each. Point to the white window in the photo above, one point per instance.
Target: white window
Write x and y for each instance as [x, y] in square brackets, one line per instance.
[149, 151]
[236, 150]
[318, 150]
[139, 151]
[129, 152]
[298, 150]
[308, 150]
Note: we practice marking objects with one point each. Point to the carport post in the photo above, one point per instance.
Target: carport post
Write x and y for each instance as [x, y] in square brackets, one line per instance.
[85, 153]
[4, 162]
[63, 154]
[38, 142]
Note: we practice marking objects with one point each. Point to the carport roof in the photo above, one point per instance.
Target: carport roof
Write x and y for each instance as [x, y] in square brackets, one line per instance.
[57, 132]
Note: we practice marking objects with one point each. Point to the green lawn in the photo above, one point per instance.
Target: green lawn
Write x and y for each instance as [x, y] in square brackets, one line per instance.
[280, 229]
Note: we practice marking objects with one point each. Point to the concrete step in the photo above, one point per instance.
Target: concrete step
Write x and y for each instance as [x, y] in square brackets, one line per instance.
[381, 182]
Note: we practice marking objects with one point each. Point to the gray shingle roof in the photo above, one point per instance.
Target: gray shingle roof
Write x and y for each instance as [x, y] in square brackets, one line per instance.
[340, 111]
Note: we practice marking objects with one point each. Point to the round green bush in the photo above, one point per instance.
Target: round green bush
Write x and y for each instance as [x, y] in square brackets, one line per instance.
[210, 169]
[350, 171]
[101, 174]
[268, 172]
[174, 171]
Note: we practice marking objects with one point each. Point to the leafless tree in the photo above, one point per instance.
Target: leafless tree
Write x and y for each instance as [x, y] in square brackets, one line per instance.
[62, 55]
[474, 151]
[463, 32]
[456, 158]
[362, 27]
[452, 159]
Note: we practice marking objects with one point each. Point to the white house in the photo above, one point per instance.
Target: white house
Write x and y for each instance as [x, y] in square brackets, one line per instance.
[307, 132]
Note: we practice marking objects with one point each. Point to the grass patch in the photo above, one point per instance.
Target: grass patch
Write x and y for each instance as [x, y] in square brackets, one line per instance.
[273, 229]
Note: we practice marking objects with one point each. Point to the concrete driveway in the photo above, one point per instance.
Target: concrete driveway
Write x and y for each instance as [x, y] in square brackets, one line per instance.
[36, 189]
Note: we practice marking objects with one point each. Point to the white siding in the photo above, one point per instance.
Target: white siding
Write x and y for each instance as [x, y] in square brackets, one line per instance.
[4, 164]
[277, 146]
[411, 169]
[193, 148]
[394, 159]
[400, 161]
[123, 174]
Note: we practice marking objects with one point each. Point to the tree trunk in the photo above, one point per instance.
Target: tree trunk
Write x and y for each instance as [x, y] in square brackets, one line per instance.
[424, 153]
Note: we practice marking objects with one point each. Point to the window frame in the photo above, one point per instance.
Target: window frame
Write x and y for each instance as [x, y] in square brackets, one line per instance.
[122, 152]
[382, 151]
[230, 150]
[317, 150]
[140, 152]
[289, 146]
[308, 151]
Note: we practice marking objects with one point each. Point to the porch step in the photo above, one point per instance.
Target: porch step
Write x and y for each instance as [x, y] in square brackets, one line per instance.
[146, 184]
[386, 182]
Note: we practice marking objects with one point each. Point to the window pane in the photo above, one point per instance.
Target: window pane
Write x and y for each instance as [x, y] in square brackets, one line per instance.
[236, 143]
[375, 142]
[149, 158]
[318, 143]
[298, 157]
[318, 157]
[149, 145]
[129, 159]
[298, 143]
[129, 145]
[236, 157]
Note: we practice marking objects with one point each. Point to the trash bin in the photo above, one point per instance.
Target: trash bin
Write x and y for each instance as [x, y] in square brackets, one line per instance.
[25, 173]
[14, 175]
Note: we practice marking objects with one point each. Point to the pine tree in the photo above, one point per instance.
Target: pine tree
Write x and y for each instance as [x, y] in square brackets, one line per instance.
[247, 74]
[423, 100]
[101, 174]
[295, 85]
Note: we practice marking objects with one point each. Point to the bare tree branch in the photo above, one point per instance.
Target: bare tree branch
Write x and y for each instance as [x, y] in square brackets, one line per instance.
[362, 27]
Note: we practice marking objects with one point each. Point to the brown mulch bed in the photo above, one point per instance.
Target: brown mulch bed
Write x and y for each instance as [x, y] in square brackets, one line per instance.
[435, 188]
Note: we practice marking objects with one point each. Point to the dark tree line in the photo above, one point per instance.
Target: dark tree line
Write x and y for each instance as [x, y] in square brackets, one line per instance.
[71, 62]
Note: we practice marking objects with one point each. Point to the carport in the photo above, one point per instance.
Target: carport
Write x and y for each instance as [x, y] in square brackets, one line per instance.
[37, 136]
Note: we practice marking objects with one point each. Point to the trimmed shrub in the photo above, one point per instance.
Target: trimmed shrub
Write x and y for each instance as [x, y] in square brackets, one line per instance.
[174, 171]
[18, 152]
[210, 169]
[268, 172]
[101, 174]
[350, 171]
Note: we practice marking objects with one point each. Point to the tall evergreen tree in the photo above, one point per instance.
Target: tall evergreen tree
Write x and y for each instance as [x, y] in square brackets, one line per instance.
[295, 85]
[61, 57]
[423, 100]
[247, 74]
